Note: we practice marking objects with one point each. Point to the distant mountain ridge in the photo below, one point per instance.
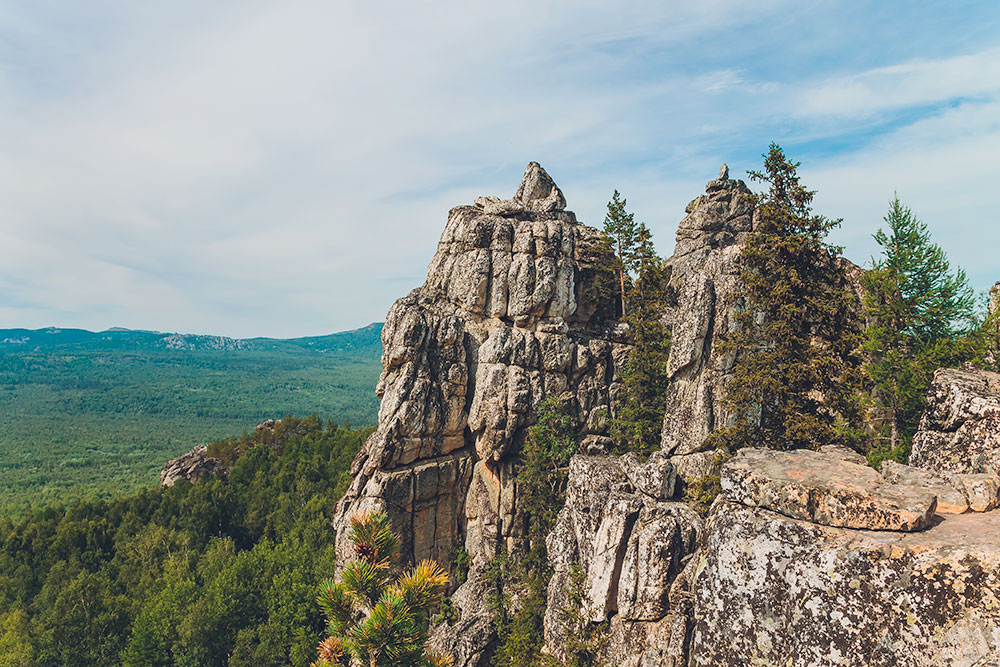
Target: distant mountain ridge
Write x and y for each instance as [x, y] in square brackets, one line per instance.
[367, 339]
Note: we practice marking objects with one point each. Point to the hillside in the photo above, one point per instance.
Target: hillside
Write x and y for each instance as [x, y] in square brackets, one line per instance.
[91, 414]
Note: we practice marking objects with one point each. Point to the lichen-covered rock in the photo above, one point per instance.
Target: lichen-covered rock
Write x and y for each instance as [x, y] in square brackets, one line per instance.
[505, 319]
[951, 499]
[771, 590]
[193, 466]
[630, 545]
[825, 488]
[960, 430]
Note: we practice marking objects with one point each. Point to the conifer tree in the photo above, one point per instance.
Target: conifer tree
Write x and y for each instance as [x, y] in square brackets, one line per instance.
[795, 332]
[918, 314]
[621, 232]
[640, 421]
[374, 619]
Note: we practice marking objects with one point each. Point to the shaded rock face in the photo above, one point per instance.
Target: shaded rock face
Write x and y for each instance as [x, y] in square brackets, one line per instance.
[630, 543]
[193, 466]
[960, 430]
[503, 320]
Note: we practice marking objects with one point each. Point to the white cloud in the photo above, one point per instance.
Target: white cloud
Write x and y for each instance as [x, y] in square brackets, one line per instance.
[263, 169]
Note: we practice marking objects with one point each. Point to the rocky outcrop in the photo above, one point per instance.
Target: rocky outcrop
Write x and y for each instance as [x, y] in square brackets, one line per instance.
[704, 277]
[773, 590]
[193, 467]
[960, 430]
[808, 558]
[790, 572]
[630, 540]
[504, 319]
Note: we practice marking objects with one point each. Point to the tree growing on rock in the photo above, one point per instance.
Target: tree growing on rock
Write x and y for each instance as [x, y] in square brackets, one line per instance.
[375, 618]
[796, 330]
[645, 377]
[919, 315]
[621, 232]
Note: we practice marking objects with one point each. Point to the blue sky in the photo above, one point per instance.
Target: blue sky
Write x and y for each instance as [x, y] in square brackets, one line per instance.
[285, 169]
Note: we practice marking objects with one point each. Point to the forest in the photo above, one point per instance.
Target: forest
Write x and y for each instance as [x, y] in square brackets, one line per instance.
[223, 572]
[88, 415]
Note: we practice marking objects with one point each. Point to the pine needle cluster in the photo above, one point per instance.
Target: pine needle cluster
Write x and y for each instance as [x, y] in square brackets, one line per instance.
[374, 618]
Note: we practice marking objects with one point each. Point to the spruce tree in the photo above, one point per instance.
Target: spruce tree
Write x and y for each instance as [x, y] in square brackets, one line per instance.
[621, 232]
[378, 620]
[638, 425]
[796, 330]
[918, 314]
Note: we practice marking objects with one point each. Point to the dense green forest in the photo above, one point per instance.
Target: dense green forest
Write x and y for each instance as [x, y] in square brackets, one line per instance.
[219, 573]
[91, 415]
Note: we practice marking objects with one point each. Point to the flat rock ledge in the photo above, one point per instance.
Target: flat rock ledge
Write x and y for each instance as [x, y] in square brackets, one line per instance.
[828, 488]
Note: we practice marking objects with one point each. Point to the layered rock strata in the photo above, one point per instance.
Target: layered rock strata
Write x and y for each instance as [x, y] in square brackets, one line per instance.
[826, 489]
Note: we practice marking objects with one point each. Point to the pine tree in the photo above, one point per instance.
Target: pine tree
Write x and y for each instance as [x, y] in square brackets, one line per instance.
[394, 614]
[640, 420]
[621, 232]
[989, 332]
[918, 315]
[795, 332]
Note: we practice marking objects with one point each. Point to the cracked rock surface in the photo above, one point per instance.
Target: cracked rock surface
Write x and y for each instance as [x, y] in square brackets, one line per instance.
[825, 488]
[960, 430]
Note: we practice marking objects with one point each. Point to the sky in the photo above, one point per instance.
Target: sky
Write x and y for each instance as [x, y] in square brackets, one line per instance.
[286, 168]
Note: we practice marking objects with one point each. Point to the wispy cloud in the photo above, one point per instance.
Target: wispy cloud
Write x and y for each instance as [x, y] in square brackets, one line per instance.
[264, 169]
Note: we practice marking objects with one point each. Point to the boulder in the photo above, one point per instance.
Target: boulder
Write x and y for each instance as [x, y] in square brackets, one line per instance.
[824, 488]
[960, 429]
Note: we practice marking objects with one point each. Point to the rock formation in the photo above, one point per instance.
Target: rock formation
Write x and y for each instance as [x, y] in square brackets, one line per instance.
[504, 319]
[622, 528]
[772, 590]
[704, 277]
[807, 558]
[960, 431]
[193, 466]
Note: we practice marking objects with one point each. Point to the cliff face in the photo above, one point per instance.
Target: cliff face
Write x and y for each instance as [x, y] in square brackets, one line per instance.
[503, 320]
[704, 277]
[808, 558]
